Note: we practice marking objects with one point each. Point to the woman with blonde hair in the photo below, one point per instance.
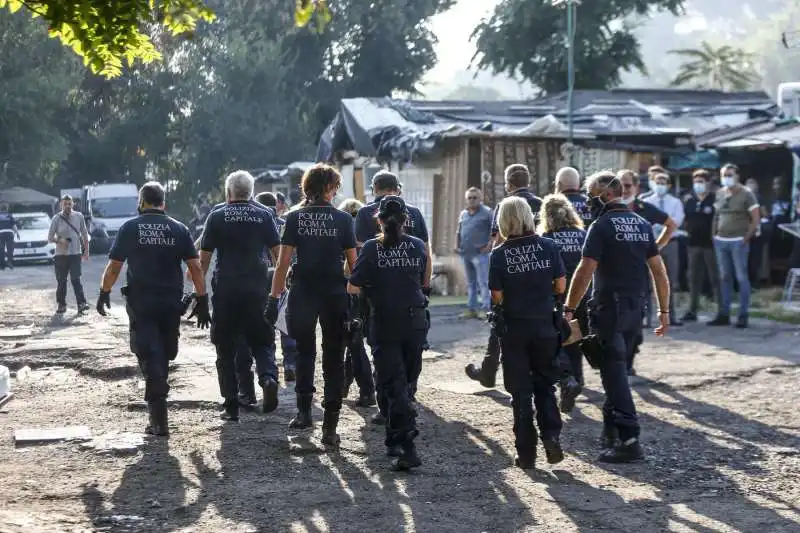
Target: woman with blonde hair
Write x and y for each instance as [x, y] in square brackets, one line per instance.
[561, 222]
[526, 277]
[356, 362]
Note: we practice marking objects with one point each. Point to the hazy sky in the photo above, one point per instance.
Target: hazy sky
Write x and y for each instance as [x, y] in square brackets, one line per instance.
[453, 29]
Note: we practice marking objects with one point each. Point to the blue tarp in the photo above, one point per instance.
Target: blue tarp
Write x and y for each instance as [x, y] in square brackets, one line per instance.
[701, 159]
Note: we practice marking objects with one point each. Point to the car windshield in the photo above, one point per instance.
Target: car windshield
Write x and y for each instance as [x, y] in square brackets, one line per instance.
[42, 222]
[115, 207]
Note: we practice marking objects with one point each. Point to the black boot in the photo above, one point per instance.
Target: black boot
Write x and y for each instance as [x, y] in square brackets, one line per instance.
[720, 320]
[270, 389]
[366, 400]
[157, 410]
[289, 373]
[629, 451]
[247, 389]
[553, 451]
[330, 420]
[609, 438]
[570, 389]
[303, 418]
[230, 411]
[408, 459]
[481, 375]
[395, 450]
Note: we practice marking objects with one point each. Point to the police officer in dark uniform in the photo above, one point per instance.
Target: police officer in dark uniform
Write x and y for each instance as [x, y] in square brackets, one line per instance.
[517, 183]
[653, 215]
[619, 249]
[568, 183]
[385, 183]
[322, 236]
[154, 245]
[391, 270]
[526, 276]
[243, 234]
[559, 221]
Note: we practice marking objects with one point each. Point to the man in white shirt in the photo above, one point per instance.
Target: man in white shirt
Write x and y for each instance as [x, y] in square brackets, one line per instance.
[672, 206]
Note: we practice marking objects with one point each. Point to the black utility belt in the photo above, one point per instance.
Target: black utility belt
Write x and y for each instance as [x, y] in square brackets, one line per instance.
[409, 312]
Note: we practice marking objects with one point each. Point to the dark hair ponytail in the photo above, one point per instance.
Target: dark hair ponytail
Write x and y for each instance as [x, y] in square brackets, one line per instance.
[392, 230]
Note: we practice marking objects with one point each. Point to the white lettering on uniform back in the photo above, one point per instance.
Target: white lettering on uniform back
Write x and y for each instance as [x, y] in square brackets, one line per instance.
[398, 257]
[157, 234]
[316, 224]
[629, 229]
[521, 259]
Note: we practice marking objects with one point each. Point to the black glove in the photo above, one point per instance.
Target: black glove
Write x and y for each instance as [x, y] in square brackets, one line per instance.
[497, 320]
[200, 312]
[271, 311]
[103, 302]
[186, 302]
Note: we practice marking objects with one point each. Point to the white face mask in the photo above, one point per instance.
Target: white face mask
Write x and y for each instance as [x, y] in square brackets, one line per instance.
[728, 181]
[628, 199]
[661, 190]
[699, 188]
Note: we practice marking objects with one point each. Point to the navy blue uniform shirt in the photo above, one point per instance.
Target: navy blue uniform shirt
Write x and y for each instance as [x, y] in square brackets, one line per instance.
[524, 269]
[649, 212]
[534, 201]
[392, 277]
[570, 245]
[154, 246]
[621, 242]
[700, 219]
[7, 222]
[367, 226]
[320, 234]
[581, 204]
[242, 233]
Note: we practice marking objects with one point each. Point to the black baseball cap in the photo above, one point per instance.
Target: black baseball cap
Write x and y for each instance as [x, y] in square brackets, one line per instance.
[384, 180]
[391, 205]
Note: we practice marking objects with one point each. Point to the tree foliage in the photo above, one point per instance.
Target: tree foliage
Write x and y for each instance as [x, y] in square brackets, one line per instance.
[709, 67]
[106, 34]
[528, 38]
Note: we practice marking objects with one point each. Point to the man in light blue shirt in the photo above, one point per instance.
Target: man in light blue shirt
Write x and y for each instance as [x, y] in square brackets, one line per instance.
[473, 243]
[673, 207]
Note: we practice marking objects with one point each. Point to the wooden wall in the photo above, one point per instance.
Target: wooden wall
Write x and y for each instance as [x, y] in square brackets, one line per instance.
[542, 158]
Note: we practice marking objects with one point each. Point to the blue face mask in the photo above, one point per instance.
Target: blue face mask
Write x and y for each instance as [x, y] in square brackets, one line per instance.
[660, 189]
[699, 188]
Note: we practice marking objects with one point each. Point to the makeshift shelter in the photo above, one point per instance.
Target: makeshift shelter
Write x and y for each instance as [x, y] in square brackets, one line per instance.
[24, 199]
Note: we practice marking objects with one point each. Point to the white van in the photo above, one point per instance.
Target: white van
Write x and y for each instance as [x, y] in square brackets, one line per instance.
[106, 206]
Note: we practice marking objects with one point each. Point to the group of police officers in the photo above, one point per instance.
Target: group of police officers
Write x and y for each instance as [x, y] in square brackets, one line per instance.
[369, 275]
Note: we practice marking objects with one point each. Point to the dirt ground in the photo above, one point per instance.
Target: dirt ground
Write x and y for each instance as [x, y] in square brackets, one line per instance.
[719, 411]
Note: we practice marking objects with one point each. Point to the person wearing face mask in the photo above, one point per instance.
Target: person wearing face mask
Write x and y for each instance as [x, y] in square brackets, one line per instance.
[736, 222]
[673, 207]
[517, 183]
[619, 250]
[699, 209]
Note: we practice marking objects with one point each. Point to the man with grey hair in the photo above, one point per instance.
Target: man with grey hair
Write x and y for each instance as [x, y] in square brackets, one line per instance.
[243, 234]
[568, 183]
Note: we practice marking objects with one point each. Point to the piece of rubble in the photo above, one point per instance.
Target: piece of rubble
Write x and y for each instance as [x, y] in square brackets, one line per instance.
[23, 374]
[34, 436]
[116, 443]
[15, 333]
[7, 398]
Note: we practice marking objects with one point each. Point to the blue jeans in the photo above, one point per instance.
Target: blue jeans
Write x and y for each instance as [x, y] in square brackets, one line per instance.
[732, 259]
[476, 268]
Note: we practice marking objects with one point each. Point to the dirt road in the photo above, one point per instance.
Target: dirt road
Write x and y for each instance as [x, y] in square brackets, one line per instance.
[718, 407]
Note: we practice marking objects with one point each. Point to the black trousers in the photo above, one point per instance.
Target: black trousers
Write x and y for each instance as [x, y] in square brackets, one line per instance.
[308, 305]
[530, 368]
[154, 333]
[68, 265]
[6, 249]
[237, 321]
[398, 364]
[754, 260]
[617, 322]
[357, 365]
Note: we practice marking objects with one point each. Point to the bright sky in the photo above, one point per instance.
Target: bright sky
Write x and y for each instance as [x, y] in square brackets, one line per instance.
[453, 29]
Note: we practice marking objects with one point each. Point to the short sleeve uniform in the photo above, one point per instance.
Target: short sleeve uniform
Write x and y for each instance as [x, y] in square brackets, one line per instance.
[621, 242]
[320, 234]
[392, 277]
[242, 234]
[154, 246]
[570, 245]
[367, 226]
[524, 268]
[534, 202]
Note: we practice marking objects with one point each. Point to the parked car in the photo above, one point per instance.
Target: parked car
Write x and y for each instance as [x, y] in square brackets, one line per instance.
[32, 244]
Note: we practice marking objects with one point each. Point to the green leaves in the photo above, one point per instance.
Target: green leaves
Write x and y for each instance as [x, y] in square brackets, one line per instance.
[528, 39]
[724, 67]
